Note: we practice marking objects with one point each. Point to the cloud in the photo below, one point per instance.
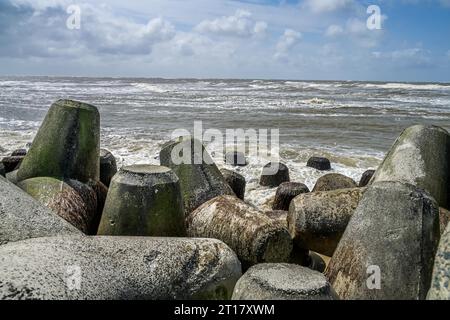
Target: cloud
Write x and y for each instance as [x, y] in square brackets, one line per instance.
[39, 29]
[334, 30]
[240, 24]
[286, 42]
[409, 57]
[321, 6]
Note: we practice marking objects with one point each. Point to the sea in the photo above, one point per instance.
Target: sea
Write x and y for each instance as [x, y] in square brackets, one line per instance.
[351, 123]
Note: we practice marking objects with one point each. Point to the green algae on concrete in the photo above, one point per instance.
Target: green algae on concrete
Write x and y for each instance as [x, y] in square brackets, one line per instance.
[143, 200]
[200, 179]
[72, 200]
[67, 144]
[22, 217]
[420, 156]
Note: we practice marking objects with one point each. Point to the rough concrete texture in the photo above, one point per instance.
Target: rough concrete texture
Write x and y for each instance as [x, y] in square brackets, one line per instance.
[108, 166]
[279, 216]
[396, 229]
[22, 217]
[274, 179]
[117, 268]
[286, 192]
[200, 179]
[144, 200]
[12, 177]
[282, 281]
[66, 145]
[334, 181]
[101, 192]
[2, 170]
[440, 285]
[444, 218]
[236, 181]
[317, 220]
[420, 156]
[250, 233]
[72, 200]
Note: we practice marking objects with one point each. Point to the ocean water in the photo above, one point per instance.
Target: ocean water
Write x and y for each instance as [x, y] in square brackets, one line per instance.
[351, 123]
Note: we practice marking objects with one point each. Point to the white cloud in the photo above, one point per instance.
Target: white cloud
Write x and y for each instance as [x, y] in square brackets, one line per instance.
[286, 42]
[334, 30]
[240, 24]
[409, 57]
[321, 6]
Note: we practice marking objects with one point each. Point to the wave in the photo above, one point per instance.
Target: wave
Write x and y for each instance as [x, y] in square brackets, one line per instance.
[150, 87]
[407, 86]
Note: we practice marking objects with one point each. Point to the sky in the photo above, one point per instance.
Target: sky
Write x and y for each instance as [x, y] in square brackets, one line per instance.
[252, 39]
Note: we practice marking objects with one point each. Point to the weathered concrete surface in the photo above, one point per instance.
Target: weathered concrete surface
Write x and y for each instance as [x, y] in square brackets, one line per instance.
[279, 216]
[282, 281]
[440, 285]
[274, 179]
[396, 228]
[236, 181]
[67, 144]
[317, 220]
[444, 218]
[22, 217]
[101, 192]
[200, 179]
[72, 200]
[365, 178]
[2, 169]
[334, 181]
[144, 200]
[420, 156]
[250, 233]
[108, 166]
[117, 268]
[286, 192]
[319, 163]
[12, 177]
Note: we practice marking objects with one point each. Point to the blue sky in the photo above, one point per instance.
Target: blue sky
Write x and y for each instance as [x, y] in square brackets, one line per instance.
[307, 39]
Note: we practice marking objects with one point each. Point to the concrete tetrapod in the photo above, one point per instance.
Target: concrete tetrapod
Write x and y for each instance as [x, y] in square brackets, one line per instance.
[254, 236]
[200, 179]
[143, 200]
[67, 144]
[22, 217]
[117, 268]
[282, 281]
[388, 248]
[420, 156]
